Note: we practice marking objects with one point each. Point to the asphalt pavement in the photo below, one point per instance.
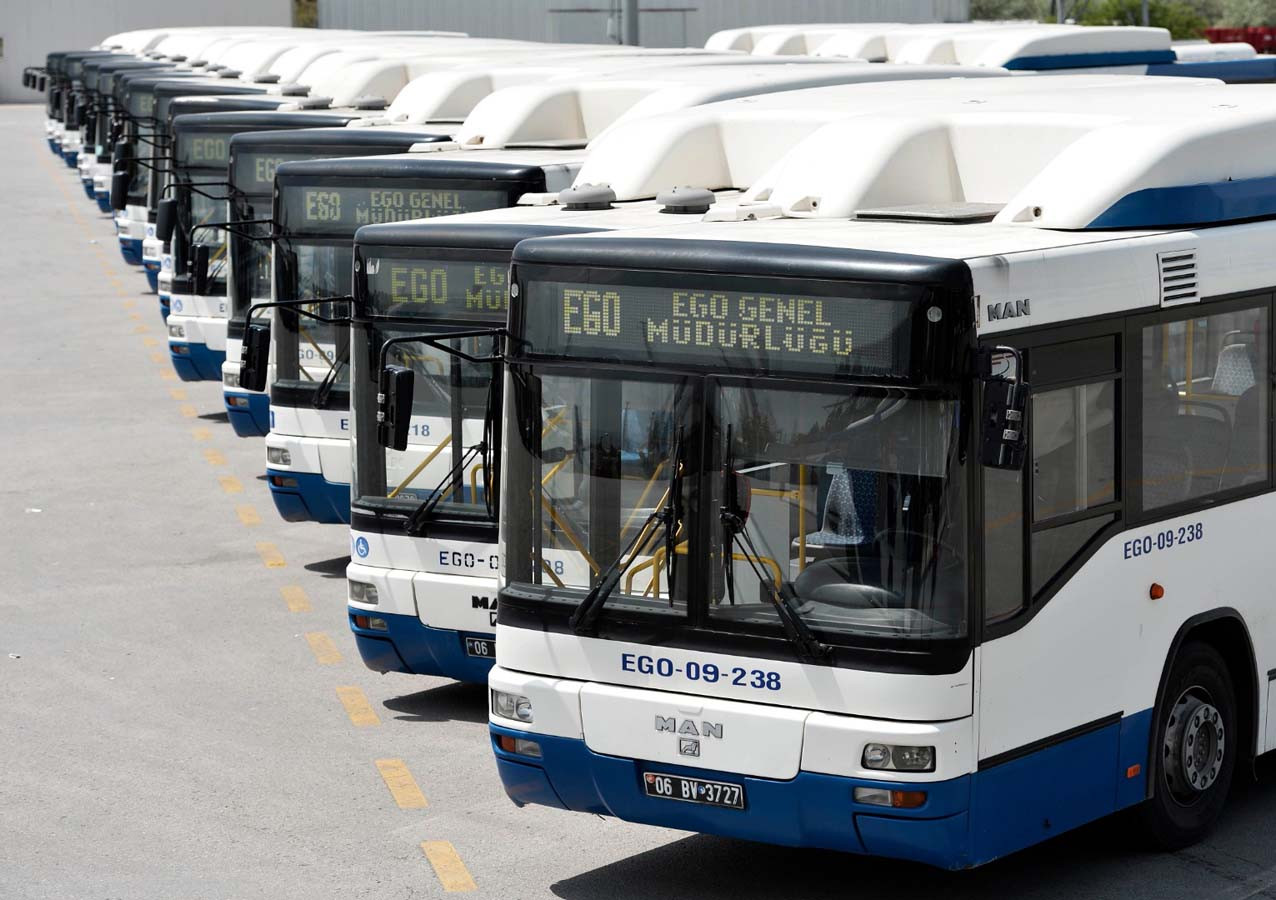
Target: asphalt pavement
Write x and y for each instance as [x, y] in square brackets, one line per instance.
[183, 713]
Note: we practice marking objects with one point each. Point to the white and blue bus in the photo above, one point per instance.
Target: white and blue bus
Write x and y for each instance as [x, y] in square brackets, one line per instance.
[918, 515]
[422, 595]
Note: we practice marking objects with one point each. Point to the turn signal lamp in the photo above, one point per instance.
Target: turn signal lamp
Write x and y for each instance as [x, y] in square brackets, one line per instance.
[893, 799]
[521, 746]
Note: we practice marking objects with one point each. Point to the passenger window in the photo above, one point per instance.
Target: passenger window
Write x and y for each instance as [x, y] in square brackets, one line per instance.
[1003, 544]
[1073, 449]
[1205, 401]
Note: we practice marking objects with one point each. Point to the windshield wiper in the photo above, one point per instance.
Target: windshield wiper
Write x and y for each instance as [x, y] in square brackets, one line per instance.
[734, 515]
[420, 516]
[666, 514]
[325, 387]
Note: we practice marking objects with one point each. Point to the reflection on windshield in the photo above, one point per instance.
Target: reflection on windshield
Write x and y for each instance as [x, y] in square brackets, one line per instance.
[318, 270]
[845, 499]
[204, 210]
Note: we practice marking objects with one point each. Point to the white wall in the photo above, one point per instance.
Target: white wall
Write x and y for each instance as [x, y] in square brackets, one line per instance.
[33, 28]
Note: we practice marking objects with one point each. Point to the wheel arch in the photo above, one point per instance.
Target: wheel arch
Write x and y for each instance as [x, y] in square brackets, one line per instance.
[1225, 630]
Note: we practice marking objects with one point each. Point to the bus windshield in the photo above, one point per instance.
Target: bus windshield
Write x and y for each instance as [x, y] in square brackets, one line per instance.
[308, 348]
[453, 450]
[719, 494]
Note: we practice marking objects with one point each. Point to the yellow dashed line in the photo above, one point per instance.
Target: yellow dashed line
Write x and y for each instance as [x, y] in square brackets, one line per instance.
[270, 555]
[230, 484]
[403, 787]
[135, 315]
[159, 358]
[214, 457]
[325, 651]
[129, 304]
[177, 393]
[140, 329]
[150, 341]
[248, 515]
[188, 410]
[201, 434]
[447, 864]
[296, 598]
[168, 376]
[357, 707]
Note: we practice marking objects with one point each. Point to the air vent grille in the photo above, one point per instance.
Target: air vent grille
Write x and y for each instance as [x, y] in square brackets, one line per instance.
[1178, 277]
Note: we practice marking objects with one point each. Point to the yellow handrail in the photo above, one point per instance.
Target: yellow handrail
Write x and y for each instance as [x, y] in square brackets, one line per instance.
[478, 467]
[555, 469]
[419, 469]
[571, 535]
[550, 573]
[553, 423]
[642, 498]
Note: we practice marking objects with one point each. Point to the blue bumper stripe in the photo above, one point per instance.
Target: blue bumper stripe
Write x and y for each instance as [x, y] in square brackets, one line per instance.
[88, 188]
[309, 497]
[152, 279]
[417, 649]
[130, 248]
[252, 420]
[195, 362]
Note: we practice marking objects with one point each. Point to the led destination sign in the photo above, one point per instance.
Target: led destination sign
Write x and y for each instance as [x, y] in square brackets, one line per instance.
[707, 327]
[254, 173]
[438, 289]
[203, 149]
[343, 209]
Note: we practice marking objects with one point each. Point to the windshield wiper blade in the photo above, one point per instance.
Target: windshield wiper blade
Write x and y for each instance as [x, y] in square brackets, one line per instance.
[420, 516]
[325, 387]
[585, 615]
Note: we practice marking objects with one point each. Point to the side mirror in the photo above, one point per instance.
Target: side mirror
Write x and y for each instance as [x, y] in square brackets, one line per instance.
[394, 407]
[1003, 437]
[737, 498]
[166, 219]
[43, 81]
[121, 154]
[254, 356]
[119, 190]
[200, 265]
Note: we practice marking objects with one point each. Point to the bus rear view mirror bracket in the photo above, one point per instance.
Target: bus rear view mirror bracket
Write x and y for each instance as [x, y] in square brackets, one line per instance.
[1003, 437]
[119, 189]
[394, 407]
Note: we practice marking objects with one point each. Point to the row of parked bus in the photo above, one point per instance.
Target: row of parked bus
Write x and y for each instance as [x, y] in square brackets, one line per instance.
[850, 436]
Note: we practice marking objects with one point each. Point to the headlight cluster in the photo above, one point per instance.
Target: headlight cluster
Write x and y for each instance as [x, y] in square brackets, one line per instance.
[511, 706]
[899, 758]
[362, 592]
[278, 456]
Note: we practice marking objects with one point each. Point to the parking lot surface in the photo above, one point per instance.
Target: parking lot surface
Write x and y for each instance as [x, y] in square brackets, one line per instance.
[184, 713]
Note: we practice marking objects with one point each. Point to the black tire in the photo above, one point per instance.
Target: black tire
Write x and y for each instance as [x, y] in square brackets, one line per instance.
[1197, 713]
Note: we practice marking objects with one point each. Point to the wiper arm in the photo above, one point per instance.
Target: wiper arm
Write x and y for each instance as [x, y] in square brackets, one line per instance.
[666, 514]
[420, 517]
[325, 387]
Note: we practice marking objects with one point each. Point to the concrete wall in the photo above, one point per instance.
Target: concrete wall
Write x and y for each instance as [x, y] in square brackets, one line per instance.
[32, 28]
[662, 23]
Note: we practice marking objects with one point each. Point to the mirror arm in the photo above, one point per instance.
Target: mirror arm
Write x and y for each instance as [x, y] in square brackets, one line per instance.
[296, 306]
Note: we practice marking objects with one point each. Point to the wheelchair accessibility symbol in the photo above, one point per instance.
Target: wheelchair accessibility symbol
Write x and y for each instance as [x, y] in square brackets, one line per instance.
[361, 547]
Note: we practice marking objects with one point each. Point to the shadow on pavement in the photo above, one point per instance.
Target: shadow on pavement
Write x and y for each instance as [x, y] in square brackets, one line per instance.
[454, 702]
[215, 417]
[329, 568]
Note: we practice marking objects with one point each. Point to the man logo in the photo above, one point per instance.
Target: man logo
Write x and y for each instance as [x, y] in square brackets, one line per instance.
[1008, 310]
[688, 746]
[688, 728]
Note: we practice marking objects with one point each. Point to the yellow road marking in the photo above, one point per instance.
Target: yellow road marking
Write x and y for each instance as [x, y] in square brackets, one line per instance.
[140, 329]
[325, 651]
[135, 315]
[128, 304]
[230, 484]
[214, 457]
[177, 393]
[360, 711]
[296, 598]
[168, 376]
[403, 787]
[270, 555]
[447, 864]
[158, 357]
[248, 515]
[201, 434]
[150, 342]
[188, 410]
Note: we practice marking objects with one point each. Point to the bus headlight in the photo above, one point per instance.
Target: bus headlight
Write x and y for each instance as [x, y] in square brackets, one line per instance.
[512, 706]
[278, 456]
[177, 331]
[362, 592]
[897, 758]
[230, 379]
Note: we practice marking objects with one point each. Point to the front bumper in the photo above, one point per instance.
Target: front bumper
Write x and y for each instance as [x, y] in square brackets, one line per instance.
[191, 346]
[249, 412]
[130, 248]
[308, 496]
[409, 645]
[811, 810]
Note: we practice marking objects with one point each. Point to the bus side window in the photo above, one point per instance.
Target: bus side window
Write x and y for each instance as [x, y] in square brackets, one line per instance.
[1003, 544]
[1205, 406]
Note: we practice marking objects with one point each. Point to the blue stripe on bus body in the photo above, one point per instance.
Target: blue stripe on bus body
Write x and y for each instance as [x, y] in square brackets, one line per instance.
[196, 362]
[1233, 71]
[313, 498]
[103, 201]
[252, 420]
[965, 821]
[1089, 60]
[1191, 204]
[409, 645]
[152, 278]
[131, 250]
[88, 187]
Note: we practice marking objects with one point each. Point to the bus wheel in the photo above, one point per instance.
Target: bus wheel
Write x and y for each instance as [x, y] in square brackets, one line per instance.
[1195, 747]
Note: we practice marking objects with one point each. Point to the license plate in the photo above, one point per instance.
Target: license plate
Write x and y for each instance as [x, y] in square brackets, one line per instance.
[694, 790]
[482, 647]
